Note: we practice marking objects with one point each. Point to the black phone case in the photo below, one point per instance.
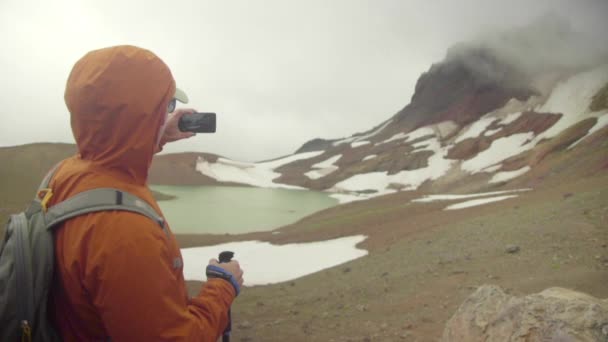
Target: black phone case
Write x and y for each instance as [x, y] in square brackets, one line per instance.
[197, 123]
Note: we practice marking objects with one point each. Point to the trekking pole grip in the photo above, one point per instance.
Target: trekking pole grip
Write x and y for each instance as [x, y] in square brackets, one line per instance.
[226, 256]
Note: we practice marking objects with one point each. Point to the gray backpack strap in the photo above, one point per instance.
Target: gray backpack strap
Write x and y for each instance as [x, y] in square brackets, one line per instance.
[100, 200]
[47, 179]
[43, 194]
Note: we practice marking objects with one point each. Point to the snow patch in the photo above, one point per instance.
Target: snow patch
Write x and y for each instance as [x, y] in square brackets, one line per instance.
[500, 150]
[371, 156]
[492, 168]
[475, 129]
[510, 118]
[365, 181]
[397, 136]
[508, 175]
[411, 179]
[328, 162]
[255, 174]
[323, 168]
[476, 202]
[450, 197]
[289, 261]
[411, 136]
[376, 131]
[316, 174]
[492, 132]
[419, 133]
[347, 198]
[602, 122]
[363, 137]
[273, 164]
[572, 98]
[359, 143]
[344, 141]
[446, 128]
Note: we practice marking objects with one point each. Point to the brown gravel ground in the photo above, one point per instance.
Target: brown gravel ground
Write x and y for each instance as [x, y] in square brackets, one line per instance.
[425, 261]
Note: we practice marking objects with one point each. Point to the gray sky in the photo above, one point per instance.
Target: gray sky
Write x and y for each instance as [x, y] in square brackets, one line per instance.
[278, 73]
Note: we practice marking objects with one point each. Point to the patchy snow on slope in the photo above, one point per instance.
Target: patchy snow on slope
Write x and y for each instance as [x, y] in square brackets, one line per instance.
[265, 263]
[273, 164]
[411, 136]
[328, 162]
[500, 150]
[602, 121]
[352, 197]
[572, 98]
[446, 128]
[509, 118]
[476, 202]
[437, 166]
[492, 168]
[347, 198]
[508, 175]
[452, 197]
[512, 117]
[476, 128]
[492, 132]
[371, 156]
[323, 168]
[359, 143]
[365, 181]
[411, 179]
[344, 141]
[255, 174]
[397, 136]
[421, 147]
[319, 173]
[419, 133]
[363, 137]
[376, 131]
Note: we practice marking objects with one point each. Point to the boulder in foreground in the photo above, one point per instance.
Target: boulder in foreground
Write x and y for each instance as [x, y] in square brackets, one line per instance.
[555, 314]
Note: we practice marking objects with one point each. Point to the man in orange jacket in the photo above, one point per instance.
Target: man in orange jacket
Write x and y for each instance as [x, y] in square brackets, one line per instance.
[118, 276]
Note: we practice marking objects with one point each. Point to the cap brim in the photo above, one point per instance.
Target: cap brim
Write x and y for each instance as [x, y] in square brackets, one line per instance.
[180, 96]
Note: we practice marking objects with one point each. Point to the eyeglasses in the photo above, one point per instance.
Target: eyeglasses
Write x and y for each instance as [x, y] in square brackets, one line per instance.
[171, 106]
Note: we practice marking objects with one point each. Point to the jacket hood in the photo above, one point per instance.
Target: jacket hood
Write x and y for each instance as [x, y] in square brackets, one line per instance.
[117, 98]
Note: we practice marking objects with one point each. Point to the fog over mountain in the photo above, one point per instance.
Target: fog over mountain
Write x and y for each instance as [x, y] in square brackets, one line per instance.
[278, 74]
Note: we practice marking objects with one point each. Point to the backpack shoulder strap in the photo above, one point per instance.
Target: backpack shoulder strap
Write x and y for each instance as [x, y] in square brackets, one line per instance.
[47, 179]
[44, 193]
[101, 199]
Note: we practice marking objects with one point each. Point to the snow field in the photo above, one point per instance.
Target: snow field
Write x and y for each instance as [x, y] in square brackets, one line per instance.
[255, 174]
[323, 168]
[508, 175]
[476, 202]
[265, 263]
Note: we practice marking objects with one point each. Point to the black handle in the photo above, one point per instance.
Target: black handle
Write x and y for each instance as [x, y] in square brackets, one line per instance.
[226, 256]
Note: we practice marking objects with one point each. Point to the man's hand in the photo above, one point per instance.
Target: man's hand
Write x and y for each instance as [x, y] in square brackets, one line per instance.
[172, 132]
[233, 267]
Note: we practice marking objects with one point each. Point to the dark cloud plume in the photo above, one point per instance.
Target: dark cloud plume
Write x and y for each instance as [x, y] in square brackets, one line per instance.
[549, 43]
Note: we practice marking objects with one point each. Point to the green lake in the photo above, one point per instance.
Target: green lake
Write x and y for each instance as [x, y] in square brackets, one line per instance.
[233, 210]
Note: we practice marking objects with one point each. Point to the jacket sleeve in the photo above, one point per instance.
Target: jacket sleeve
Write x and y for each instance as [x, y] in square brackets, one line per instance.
[138, 295]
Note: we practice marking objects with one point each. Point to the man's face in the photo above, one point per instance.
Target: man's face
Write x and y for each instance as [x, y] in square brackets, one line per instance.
[163, 125]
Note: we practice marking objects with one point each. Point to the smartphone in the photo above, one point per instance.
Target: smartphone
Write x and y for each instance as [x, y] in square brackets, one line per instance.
[197, 123]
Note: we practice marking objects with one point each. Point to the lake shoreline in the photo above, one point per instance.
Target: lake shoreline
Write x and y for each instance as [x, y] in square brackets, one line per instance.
[236, 210]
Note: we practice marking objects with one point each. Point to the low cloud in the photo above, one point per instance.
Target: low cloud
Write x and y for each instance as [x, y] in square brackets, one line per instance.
[549, 43]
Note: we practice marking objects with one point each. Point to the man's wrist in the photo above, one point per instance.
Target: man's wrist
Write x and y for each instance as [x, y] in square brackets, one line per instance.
[214, 271]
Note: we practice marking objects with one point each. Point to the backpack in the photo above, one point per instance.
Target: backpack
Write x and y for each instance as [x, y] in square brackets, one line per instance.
[27, 256]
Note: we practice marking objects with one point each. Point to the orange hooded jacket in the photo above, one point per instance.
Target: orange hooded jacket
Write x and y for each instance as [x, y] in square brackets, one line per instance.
[118, 276]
